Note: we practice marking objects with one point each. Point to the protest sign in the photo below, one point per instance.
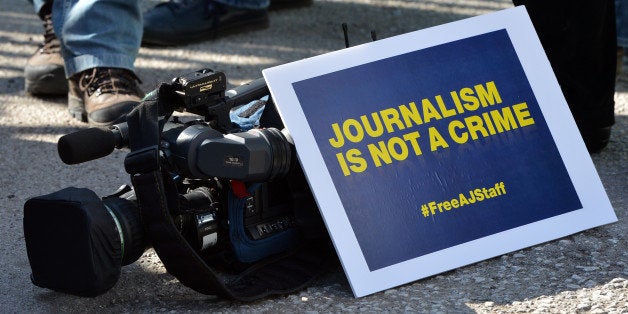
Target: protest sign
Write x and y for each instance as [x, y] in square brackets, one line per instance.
[438, 148]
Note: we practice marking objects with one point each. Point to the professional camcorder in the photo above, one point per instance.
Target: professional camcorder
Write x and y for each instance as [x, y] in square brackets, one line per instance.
[217, 192]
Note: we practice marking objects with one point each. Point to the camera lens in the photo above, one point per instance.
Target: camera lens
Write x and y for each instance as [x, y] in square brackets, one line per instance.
[280, 151]
[127, 218]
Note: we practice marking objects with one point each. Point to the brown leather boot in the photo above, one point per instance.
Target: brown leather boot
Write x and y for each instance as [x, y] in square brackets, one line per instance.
[103, 96]
[43, 73]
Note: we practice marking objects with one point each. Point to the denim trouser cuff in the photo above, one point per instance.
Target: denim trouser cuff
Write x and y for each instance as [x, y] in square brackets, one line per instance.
[84, 62]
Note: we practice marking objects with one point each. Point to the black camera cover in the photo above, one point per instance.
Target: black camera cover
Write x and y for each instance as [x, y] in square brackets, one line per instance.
[73, 242]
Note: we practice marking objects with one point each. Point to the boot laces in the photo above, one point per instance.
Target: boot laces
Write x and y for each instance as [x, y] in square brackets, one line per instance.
[51, 43]
[107, 80]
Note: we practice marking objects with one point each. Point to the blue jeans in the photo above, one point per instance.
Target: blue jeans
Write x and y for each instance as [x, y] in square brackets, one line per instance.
[105, 33]
[96, 33]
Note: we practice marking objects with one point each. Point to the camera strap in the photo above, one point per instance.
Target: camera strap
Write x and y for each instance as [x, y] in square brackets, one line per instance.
[158, 198]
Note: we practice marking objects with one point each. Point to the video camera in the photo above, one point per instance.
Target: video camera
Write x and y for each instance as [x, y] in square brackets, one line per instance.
[217, 193]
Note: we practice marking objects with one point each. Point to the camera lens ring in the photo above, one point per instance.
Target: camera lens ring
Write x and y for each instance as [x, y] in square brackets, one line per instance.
[128, 221]
[280, 152]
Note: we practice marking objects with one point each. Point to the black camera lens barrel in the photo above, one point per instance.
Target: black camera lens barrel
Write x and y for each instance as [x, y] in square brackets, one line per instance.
[128, 221]
[281, 152]
[257, 155]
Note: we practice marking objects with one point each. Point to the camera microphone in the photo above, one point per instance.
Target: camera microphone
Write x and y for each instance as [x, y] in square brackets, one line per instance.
[89, 144]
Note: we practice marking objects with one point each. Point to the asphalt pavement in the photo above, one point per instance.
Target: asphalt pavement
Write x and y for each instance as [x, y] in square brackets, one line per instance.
[585, 272]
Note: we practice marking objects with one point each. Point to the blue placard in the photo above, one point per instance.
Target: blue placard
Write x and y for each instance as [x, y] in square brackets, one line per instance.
[438, 148]
[445, 124]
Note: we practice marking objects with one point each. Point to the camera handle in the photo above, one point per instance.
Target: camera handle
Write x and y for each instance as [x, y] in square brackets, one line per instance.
[157, 198]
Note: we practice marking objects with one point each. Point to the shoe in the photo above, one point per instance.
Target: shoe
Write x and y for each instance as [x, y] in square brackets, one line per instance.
[181, 22]
[288, 4]
[103, 96]
[43, 73]
[596, 139]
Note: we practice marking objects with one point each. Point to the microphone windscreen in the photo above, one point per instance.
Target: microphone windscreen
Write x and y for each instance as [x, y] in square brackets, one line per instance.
[86, 145]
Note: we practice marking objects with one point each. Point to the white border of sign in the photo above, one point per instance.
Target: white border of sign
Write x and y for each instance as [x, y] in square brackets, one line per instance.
[596, 210]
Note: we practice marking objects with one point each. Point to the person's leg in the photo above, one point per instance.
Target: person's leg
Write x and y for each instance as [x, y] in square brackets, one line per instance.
[43, 72]
[100, 40]
[180, 22]
[98, 33]
[38, 5]
[621, 12]
[579, 38]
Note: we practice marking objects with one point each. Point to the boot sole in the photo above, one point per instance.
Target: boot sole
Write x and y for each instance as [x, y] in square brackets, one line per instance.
[127, 107]
[93, 123]
[222, 31]
[53, 83]
[76, 108]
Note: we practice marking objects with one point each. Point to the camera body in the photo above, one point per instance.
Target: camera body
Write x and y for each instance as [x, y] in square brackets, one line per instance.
[212, 197]
[207, 163]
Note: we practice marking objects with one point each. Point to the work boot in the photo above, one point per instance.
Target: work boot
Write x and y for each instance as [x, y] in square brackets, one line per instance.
[103, 96]
[43, 73]
[181, 22]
